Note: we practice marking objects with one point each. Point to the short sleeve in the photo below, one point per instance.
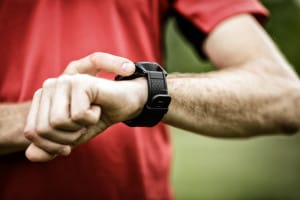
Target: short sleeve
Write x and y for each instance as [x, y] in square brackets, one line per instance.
[206, 14]
[197, 18]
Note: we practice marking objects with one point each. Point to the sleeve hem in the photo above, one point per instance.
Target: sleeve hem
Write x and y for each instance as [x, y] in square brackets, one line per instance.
[257, 10]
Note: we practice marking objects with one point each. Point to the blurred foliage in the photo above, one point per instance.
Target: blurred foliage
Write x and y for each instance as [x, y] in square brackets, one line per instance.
[284, 27]
[258, 168]
[264, 168]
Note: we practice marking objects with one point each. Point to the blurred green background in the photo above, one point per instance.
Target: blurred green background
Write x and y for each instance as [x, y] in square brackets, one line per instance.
[257, 168]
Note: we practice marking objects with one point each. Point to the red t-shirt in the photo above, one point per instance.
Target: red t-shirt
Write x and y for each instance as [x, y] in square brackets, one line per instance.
[39, 38]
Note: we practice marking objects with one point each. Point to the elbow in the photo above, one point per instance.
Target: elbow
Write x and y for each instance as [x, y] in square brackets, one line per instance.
[290, 114]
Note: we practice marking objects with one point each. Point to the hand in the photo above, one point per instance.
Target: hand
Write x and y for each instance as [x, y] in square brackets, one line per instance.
[73, 105]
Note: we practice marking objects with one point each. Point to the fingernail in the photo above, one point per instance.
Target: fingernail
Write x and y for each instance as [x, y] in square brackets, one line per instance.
[128, 67]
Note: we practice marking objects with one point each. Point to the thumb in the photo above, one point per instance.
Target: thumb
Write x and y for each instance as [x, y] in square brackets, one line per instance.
[101, 62]
[35, 154]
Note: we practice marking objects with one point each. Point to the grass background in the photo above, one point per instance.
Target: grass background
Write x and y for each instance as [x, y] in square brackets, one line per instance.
[257, 168]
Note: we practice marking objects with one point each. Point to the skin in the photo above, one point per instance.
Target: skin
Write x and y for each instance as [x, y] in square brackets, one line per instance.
[254, 92]
[12, 122]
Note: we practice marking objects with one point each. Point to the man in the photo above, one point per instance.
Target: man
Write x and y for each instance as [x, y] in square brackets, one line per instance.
[246, 97]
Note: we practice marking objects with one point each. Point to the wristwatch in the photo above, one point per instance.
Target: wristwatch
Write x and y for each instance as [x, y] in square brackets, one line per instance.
[158, 99]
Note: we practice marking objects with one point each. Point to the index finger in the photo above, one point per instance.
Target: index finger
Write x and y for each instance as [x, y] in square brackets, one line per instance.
[100, 61]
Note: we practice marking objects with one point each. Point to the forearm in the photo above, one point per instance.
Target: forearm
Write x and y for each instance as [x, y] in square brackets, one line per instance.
[12, 121]
[235, 102]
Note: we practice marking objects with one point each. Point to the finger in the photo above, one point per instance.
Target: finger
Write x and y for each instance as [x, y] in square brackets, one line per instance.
[91, 132]
[43, 127]
[111, 63]
[60, 117]
[42, 121]
[82, 110]
[63, 137]
[33, 111]
[82, 66]
[54, 141]
[98, 62]
[50, 147]
[35, 154]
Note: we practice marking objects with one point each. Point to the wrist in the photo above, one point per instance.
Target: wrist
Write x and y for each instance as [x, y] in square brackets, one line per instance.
[158, 99]
[12, 121]
[141, 90]
[139, 96]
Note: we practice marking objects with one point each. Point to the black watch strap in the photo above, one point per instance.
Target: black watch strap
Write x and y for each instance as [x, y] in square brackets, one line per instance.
[158, 98]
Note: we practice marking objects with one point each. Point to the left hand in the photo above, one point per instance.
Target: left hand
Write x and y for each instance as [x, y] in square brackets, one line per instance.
[72, 109]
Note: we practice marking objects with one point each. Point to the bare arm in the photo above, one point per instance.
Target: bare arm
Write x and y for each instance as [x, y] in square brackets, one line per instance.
[254, 92]
[12, 121]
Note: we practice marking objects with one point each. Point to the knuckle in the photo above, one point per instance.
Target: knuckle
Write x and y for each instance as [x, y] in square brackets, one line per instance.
[64, 79]
[81, 117]
[64, 124]
[78, 116]
[43, 130]
[80, 77]
[71, 68]
[49, 83]
[77, 77]
[80, 80]
[59, 122]
[85, 117]
[72, 64]
[37, 93]
[95, 54]
[30, 135]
